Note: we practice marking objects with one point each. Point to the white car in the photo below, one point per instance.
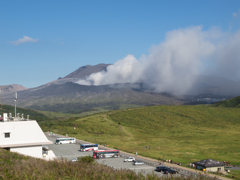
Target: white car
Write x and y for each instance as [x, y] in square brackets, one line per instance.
[138, 163]
[130, 159]
[75, 160]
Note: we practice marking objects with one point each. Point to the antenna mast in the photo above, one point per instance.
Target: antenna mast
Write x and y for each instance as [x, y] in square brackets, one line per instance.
[15, 103]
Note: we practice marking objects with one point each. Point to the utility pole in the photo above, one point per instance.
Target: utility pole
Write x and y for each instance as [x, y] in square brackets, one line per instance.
[15, 103]
[1, 98]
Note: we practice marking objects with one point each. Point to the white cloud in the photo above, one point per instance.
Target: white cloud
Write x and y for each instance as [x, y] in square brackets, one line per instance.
[25, 39]
[227, 58]
[122, 71]
[173, 65]
[236, 14]
[170, 66]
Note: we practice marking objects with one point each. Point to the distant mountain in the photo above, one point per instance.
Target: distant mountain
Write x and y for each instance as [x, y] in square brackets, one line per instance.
[234, 102]
[65, 95]
[87, 70]
[11, 88]
[76, 98]
[75, 76]
[215, 86]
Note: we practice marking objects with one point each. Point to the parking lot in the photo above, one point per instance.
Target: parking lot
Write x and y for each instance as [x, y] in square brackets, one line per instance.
[71, 151]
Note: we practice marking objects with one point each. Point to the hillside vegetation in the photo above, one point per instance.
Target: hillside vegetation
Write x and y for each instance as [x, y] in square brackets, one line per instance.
[182, 133]
[234, 102]
[41, 115]
[16, 166]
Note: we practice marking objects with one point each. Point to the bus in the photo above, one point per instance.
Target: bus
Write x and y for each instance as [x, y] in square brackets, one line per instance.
[106, 154]
[88, 147]
[65, 140]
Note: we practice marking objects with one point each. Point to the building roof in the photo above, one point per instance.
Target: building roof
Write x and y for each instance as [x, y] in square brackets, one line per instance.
[22, 133]
[209, 163]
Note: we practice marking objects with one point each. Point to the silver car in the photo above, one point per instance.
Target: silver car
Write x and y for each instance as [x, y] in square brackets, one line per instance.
[138, 163]
[130, 159]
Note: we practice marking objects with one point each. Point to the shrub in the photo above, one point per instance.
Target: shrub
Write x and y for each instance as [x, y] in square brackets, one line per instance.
[86, 159]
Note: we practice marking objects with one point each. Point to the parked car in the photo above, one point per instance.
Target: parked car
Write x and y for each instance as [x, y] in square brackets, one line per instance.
[130, 159]
[170, 171]
[162, 168]
[138, 163]
[45, 148]
[75, 160]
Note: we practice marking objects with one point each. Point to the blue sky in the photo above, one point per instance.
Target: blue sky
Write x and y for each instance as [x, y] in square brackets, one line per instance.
[61, 36]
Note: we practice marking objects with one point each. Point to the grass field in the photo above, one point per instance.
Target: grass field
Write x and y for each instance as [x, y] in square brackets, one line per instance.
[234, 174]
[182, 133]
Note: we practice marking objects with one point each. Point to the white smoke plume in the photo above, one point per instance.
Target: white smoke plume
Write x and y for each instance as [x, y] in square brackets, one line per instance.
[173, 65]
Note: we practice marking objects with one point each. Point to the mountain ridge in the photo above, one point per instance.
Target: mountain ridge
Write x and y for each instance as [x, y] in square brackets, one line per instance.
[65, 94]
[11, 88]
[86, 70]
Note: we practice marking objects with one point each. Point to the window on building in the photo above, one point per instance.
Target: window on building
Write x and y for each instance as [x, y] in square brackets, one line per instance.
[7, 135]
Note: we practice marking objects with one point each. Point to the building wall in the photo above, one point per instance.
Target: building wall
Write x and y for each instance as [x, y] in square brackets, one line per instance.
[21, 132]
[49, 156]
[215, 169]
[34, 151]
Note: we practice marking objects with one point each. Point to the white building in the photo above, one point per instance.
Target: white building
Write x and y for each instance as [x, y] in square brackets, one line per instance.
[24, 137]
[209, 165]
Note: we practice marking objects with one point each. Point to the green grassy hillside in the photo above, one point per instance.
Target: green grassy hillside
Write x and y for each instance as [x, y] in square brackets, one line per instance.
[182, 133]
[234, 102]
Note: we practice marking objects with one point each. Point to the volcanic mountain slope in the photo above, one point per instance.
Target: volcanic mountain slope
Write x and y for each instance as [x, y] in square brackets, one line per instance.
[75, 98]
[75, 76]
[215, 85]
[87, 70]
[12, 88]
[65, 95]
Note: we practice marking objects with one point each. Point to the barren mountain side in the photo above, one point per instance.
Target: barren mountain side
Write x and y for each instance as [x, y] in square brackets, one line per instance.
[11, 88]
[77, 98]
[87, 70]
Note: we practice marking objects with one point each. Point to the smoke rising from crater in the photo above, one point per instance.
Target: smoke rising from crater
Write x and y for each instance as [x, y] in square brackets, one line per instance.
[173, 65]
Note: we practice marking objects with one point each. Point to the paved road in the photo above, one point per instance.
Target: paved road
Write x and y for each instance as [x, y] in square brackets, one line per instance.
[67, 151]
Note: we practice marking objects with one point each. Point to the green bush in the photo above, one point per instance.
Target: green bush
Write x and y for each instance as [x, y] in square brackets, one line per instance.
[86, 159]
